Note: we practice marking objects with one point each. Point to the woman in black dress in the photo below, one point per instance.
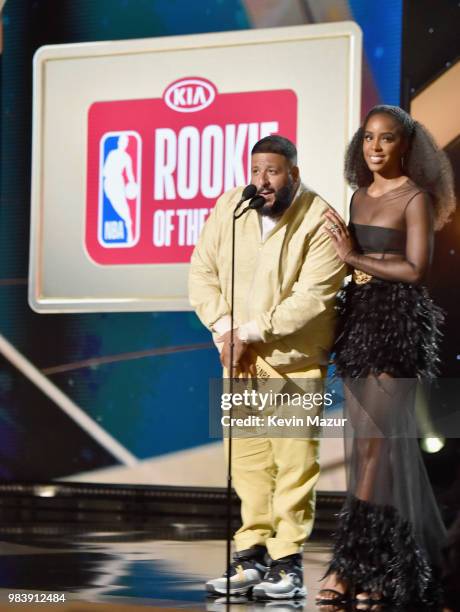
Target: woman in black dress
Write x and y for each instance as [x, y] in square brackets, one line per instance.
[390, 533]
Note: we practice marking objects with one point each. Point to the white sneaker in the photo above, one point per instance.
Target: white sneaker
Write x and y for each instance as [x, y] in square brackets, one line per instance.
[283, 580]
[247, 570]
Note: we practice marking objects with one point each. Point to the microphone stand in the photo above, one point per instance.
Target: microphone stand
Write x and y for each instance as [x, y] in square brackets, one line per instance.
[255, 203]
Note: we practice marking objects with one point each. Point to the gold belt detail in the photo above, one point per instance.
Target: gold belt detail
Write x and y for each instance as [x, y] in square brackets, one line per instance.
[361, 277]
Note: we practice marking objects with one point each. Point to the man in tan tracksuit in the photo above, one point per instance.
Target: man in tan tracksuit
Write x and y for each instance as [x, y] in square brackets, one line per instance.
[287, 276]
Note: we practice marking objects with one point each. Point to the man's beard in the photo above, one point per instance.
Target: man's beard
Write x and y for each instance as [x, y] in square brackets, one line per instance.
[283, 199]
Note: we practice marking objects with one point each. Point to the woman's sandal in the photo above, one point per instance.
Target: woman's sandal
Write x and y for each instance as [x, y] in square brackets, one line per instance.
[338, 599]
[368, 602]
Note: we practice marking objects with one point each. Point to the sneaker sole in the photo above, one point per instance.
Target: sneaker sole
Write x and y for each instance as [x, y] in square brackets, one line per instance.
[235, 591]
[296, 593]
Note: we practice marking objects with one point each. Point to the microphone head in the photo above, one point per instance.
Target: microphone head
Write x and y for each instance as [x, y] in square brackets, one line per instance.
[248, 192]
[257, 202]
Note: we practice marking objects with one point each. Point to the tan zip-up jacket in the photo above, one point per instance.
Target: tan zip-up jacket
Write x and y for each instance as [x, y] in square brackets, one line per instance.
[286, 284]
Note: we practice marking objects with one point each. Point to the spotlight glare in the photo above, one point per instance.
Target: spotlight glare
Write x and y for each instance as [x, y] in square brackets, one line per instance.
[45, 491]
[433, 445]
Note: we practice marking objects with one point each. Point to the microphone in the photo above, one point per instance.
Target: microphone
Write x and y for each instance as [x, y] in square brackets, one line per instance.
[248, 192]
[256, 202]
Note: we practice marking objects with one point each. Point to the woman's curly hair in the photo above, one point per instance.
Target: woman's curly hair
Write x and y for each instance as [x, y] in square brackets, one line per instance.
[424, 162]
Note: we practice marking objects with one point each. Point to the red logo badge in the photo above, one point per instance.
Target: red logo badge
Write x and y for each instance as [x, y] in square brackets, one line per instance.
[156, 167]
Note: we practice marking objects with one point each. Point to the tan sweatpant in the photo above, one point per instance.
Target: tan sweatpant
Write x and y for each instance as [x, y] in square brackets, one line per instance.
[275, 480]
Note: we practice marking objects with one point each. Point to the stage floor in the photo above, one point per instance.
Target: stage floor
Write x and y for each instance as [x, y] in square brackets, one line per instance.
[127, 571]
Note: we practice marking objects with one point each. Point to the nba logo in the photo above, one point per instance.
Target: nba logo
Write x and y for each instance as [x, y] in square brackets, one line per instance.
[119, 189]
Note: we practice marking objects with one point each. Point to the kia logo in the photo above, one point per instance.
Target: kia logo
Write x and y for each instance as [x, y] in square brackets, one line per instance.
[189, 95]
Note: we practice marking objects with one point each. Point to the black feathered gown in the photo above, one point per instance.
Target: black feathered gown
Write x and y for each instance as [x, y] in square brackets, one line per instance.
[390, 532]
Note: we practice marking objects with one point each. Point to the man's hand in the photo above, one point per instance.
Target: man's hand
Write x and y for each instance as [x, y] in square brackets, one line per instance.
[243, 361]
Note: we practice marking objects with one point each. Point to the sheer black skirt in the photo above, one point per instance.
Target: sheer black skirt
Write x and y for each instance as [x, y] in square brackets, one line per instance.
[390, 532]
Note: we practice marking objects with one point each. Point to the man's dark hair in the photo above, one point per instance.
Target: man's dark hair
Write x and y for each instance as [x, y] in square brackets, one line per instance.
[277, 144]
